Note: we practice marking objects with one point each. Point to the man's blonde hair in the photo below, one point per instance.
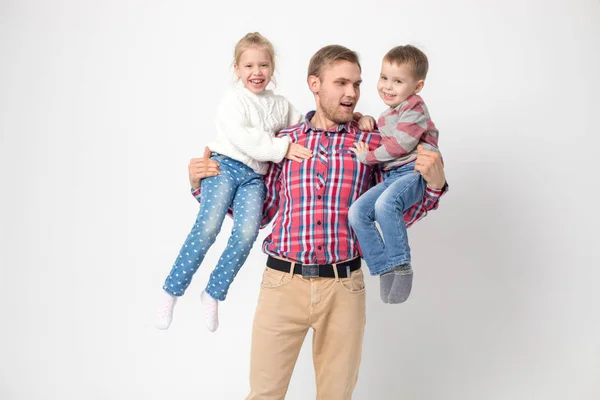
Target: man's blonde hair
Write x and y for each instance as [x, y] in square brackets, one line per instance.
[329, 55]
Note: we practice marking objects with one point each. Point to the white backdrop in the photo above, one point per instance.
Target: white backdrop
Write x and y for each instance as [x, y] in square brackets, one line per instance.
[102, 104]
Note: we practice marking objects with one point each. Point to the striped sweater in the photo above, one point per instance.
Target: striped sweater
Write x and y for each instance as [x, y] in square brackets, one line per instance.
[402, 128]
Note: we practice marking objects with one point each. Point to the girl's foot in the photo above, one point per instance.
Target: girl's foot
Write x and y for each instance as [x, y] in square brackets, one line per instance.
[211, 311]
[164, 313]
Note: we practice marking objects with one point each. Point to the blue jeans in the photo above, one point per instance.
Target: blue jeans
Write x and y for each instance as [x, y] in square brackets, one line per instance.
[238, 186]
[386, 204]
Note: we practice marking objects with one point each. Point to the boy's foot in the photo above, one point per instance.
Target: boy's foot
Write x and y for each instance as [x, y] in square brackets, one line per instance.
[402, 285]
[164, 313]
[211, 311]
[385, 285]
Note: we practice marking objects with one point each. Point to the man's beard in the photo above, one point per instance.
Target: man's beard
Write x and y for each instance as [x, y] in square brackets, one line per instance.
[335, 115]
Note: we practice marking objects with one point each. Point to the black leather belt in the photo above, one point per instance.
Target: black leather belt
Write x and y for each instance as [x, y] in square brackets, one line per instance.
[315, 270]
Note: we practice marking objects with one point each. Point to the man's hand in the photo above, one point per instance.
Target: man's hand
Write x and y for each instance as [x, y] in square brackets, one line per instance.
[297, 152]
[366, 123]
[200, 168]
[429, 164]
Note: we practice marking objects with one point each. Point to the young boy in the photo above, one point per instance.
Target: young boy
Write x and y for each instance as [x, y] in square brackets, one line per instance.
[404, 125]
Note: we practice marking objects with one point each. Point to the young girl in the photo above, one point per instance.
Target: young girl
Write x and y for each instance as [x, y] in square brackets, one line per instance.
[247, 120]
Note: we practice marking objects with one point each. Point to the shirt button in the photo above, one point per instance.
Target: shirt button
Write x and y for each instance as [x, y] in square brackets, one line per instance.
[320, 247]
[318, 222]
[321, 152]
[319, 197]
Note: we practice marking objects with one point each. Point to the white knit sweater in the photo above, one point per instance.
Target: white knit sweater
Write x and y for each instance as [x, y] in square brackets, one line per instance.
[247, 124]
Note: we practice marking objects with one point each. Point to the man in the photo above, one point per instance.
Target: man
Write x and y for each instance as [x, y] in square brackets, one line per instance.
[313, 277]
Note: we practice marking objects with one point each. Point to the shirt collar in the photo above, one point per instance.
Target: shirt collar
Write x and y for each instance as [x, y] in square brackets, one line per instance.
[350, 127]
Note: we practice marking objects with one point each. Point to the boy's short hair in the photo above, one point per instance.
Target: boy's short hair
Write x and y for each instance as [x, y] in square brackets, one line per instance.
[409, 55]
[329, 55]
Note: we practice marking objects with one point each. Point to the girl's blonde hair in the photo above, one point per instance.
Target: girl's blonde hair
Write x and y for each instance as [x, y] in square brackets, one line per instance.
[254, 40]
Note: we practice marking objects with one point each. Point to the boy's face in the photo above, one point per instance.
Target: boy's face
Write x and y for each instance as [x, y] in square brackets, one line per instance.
[396, 83]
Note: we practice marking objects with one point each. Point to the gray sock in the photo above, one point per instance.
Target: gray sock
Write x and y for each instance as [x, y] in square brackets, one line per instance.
[385, 285]
[400, 290]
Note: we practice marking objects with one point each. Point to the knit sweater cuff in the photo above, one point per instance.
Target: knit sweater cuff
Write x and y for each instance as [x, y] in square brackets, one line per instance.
[362, 157]
[280, 148]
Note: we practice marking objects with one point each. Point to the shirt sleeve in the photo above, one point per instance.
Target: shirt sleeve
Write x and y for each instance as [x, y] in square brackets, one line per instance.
[272, 184]
[235, 125]
[196, 193]
[430, 202]
[401, 131]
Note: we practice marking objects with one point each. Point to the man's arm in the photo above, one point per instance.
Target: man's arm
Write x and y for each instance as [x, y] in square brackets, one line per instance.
[429, 164]
[272, 184]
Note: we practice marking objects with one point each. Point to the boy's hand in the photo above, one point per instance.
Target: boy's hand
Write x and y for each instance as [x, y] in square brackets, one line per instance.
[429, 164]
[200, 168]
[359, 148]
[366, 123]
[297, 152]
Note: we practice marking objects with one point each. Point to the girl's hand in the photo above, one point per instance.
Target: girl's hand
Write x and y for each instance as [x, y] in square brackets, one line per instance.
[297, 152]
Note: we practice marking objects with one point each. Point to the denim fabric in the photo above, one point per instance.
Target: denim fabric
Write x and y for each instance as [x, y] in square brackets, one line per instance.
[385, 204]
[239, 187]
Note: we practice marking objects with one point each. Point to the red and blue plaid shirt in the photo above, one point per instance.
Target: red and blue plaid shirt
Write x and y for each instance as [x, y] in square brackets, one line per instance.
[309, 200]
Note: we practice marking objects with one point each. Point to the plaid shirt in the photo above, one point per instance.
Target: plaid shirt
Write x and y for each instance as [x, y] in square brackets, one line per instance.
[309, 201]
[313, 197]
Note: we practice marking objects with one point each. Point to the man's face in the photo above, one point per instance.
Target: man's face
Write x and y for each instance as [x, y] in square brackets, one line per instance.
[337, 91]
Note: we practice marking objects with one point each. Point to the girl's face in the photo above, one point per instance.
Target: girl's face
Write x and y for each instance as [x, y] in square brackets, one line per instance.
[254, 69]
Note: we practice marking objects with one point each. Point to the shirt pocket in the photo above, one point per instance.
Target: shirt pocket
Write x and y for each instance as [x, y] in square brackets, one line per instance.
[342, 148]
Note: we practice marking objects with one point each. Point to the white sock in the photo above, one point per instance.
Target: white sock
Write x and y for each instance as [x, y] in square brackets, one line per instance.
[211, 311]
[164, 312]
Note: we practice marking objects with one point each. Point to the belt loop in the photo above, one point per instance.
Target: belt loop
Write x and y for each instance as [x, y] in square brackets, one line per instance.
[335, 272]
[292, 265]
[347, 271]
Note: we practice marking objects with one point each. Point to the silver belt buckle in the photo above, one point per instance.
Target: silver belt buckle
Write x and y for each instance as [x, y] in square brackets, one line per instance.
[310, 270]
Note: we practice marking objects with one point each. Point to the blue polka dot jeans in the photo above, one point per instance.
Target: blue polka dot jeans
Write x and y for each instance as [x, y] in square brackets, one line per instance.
[239, 187]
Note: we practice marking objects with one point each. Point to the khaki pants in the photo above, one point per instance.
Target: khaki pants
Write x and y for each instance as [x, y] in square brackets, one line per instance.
[287, 306]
